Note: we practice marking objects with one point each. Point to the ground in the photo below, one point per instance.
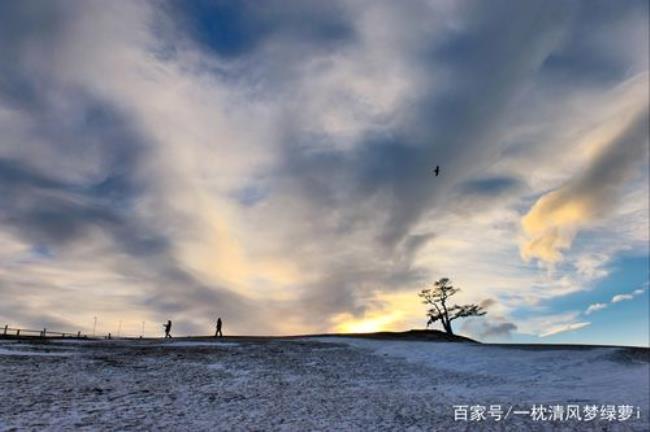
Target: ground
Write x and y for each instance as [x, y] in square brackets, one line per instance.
[309, 384]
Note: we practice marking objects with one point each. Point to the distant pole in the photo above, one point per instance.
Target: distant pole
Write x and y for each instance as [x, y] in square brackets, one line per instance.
[94, 325]
[119, 328]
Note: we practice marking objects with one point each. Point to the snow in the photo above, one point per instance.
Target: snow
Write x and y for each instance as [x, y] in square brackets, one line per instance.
[298, 385]
[533, 375]
[21, 349]
[190, 344]
[12, 352]
[77, 341]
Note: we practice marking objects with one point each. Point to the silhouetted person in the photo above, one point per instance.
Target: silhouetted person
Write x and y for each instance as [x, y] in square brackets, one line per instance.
[168, 329]
[219, 323]
[437, 170]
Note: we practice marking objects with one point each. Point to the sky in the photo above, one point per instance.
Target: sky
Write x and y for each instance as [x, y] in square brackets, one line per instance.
[271, 163]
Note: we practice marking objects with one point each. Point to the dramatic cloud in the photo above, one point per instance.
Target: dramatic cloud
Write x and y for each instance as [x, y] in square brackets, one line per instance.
[552, 223]
[271, 163]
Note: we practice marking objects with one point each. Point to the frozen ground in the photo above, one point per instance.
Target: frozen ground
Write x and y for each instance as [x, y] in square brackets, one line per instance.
[307, 384]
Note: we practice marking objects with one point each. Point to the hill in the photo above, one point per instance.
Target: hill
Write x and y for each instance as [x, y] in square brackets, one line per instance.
[409, 335]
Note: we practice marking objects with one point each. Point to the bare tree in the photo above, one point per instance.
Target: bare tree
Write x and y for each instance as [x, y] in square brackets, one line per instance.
[438, 296]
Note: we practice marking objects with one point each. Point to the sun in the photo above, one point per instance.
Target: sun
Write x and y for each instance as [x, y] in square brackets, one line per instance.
[372, 322]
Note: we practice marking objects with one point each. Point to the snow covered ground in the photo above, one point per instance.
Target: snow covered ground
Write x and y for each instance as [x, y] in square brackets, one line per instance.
[312, 384]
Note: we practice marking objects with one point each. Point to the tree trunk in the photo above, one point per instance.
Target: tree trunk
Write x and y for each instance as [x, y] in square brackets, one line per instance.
[446, 322]
[449, 330]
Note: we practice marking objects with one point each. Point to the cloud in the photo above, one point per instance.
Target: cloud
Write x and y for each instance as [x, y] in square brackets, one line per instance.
[553, 221]
[503, 329]
[488, 328]
[544, 325]
[272, 165]
[487, 303]
[615, 299]
[595, 307]
[622, 297]
[491, 326]
[490, 186]
[562, 328]
[592, 265]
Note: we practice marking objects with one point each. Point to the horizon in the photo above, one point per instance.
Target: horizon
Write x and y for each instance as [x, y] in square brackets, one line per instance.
[365, 335]
[308, 168]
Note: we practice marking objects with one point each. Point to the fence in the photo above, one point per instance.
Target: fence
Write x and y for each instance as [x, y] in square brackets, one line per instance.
[9, 331]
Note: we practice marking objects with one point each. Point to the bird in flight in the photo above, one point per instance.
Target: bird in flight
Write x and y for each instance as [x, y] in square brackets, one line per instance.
[437, 170]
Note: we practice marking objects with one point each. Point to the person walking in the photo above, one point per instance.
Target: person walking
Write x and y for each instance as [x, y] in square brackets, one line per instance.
[219, 324]
[168, 329]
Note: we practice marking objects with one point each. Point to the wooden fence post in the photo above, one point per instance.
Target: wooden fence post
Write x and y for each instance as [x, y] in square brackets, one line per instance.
[6, 327]
[17, 332]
